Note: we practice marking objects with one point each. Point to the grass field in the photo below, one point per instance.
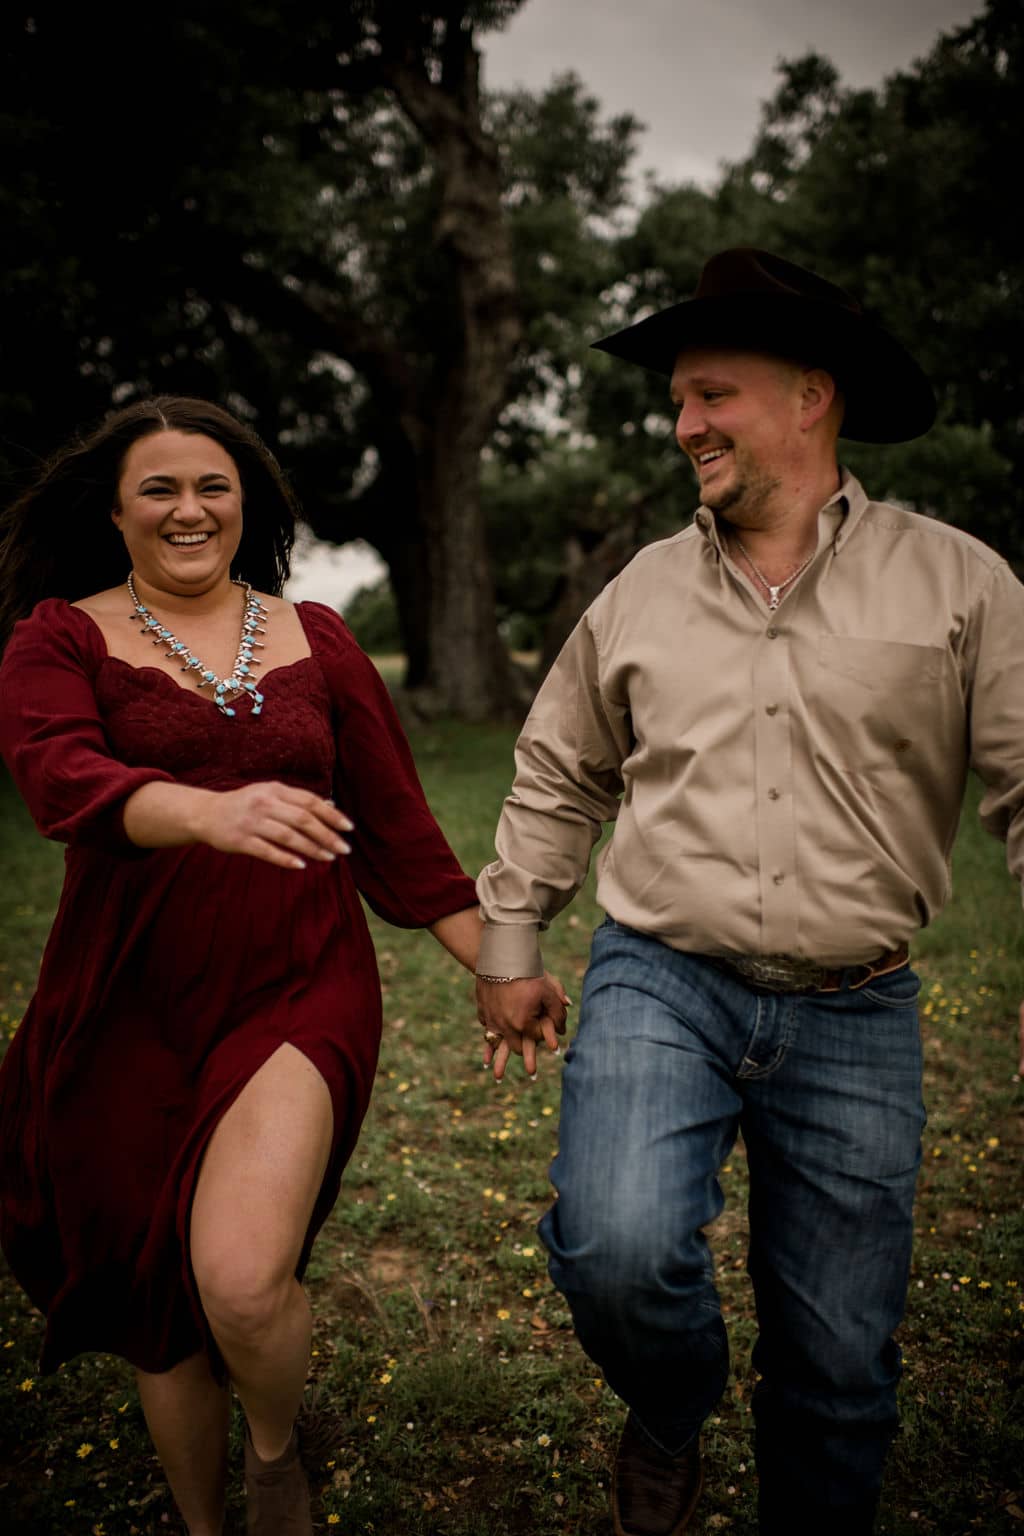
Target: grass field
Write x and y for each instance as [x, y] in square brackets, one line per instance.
[453, 1398]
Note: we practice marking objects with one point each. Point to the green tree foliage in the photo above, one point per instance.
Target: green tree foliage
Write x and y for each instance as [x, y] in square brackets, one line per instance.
[372, 615]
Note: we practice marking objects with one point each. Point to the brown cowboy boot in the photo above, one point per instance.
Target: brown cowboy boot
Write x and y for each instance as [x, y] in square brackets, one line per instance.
[654, 1494]
[276, 1493]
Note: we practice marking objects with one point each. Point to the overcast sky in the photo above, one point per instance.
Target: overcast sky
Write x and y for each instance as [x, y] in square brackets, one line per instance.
[695, 73]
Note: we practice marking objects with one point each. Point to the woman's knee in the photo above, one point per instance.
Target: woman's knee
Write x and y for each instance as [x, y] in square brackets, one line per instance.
[242, 1297]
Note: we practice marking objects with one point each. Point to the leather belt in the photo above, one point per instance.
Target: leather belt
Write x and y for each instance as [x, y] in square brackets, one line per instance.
[791, 973]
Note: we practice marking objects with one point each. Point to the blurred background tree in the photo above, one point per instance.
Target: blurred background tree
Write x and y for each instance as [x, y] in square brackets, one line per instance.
[314, 215]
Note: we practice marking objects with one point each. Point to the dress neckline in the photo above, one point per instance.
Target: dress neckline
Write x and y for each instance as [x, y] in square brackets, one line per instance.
[183, 687]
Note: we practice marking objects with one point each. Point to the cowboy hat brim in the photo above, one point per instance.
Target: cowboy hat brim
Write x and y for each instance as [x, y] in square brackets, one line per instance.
[887, 397]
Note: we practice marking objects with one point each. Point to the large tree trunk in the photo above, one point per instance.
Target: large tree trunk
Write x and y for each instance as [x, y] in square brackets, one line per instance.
[467, 672]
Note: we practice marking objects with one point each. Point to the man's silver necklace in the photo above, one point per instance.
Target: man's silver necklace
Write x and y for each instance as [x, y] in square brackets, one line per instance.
[774, 592]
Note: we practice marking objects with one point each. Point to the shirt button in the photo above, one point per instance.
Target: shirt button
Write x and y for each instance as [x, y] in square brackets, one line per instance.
[778, 879]
[773, 794]
[771, 709]
[772, 633]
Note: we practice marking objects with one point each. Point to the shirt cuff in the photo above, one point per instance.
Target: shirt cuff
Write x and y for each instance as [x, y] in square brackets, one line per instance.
[509, 950]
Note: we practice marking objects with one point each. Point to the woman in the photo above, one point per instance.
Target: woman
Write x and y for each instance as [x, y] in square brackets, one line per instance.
[189, 1080]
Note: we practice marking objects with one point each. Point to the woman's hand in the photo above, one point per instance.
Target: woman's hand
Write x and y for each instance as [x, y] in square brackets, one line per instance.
[270, 821]
[274, 822]
[520, 1014]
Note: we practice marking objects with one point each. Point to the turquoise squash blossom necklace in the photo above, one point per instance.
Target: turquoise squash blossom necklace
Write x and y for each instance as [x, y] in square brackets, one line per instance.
[227, 691]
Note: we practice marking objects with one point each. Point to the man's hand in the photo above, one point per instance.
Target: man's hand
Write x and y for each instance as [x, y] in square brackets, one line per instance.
[523, 1013]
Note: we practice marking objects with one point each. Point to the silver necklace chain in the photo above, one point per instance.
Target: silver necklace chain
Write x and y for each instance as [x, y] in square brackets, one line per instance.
[774, 590]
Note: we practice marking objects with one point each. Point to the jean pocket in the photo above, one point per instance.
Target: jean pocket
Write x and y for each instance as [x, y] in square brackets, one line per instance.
[897, 989]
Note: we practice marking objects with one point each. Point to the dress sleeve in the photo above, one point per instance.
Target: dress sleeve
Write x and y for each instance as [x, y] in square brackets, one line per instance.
[400, 859]
[51, 732]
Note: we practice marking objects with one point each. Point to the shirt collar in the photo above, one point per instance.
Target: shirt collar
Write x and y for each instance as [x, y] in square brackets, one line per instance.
[836, 520]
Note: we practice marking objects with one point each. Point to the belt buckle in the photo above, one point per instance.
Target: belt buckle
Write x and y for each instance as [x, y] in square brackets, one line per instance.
[779, 973]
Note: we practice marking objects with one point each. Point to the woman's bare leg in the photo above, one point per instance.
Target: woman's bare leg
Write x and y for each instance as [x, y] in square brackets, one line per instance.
[253, 1202]
[187, 1412]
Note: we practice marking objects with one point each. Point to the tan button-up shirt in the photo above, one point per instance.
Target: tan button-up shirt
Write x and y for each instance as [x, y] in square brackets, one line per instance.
[781, 783]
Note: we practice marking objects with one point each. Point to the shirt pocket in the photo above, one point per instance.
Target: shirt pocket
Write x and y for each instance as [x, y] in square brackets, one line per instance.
[876, 701]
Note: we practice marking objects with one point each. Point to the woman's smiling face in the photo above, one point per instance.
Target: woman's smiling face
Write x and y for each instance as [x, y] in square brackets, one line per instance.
[179, 511]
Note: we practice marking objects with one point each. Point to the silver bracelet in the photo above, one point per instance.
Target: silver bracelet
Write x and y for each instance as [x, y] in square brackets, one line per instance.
[498, 980]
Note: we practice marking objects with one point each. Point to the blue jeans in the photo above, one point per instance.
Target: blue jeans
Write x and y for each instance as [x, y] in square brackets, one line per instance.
[672, 1058]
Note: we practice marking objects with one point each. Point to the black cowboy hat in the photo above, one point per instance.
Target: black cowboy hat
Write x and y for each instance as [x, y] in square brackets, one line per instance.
[750, 299]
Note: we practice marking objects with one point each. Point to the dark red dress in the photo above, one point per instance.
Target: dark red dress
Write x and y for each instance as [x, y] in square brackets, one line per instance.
[172, 974]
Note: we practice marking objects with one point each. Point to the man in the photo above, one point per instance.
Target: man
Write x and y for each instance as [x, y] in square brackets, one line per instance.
[777, 707]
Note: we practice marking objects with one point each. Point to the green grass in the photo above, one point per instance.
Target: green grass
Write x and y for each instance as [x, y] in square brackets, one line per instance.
[454, 1400]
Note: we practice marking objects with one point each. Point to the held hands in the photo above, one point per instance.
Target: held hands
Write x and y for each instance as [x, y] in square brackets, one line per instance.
[520, 1014]
[274, 822]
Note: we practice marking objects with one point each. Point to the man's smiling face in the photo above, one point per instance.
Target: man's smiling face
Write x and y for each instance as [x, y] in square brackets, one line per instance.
[739, 423]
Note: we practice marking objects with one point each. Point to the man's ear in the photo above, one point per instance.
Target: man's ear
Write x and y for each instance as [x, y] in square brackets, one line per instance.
[818, 393]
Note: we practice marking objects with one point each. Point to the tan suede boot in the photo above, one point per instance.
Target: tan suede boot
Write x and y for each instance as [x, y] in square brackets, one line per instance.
[276, 1493]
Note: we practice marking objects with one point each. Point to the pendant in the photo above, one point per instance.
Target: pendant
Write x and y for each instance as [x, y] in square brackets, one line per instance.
[773, 597]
